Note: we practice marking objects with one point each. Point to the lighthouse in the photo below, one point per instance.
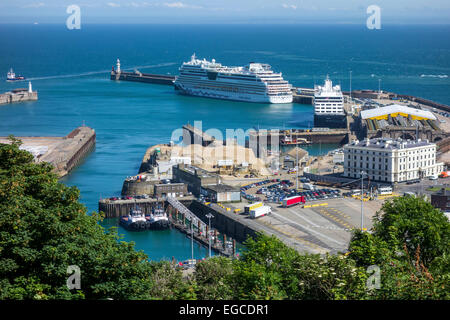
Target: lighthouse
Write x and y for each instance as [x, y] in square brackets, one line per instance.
[30, 89]
[118, 66]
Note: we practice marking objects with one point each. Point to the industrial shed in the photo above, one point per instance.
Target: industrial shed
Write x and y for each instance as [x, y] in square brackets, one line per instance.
[222, 193]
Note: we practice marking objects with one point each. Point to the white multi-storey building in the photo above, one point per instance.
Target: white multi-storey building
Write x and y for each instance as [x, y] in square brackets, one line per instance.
[388, 160]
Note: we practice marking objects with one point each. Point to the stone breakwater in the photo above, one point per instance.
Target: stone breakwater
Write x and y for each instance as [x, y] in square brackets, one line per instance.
[64, 153]
[18, 95]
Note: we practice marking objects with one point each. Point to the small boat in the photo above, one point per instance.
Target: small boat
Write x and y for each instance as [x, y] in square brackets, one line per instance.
[11, 76]
[290, 141]
[135, 220]
[158, 219]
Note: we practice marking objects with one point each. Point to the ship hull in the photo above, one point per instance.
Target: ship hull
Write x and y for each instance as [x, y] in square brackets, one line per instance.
[336, 121]
[234, 96]
[135, 226]
[15, 79]
[159, 225]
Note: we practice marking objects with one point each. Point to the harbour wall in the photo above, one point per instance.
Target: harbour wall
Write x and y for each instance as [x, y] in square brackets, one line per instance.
[142, 77]
[87, 144]
[82, 141]
[118, 208]
[22, 96]
[224, 221]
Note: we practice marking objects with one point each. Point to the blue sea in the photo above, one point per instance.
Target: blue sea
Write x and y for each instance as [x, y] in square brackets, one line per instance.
[70, 71]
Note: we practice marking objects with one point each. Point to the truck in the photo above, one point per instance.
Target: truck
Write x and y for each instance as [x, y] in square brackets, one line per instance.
[289, 202]
[252, 206]
[259, 212]
[444, 174]
[309, 186]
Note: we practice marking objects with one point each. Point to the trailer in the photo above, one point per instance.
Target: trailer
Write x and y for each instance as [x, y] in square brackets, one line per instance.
[252, 206]
[291, 201]
[260, 211]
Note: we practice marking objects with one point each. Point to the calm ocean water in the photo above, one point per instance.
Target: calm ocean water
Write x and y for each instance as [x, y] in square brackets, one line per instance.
[70, 70]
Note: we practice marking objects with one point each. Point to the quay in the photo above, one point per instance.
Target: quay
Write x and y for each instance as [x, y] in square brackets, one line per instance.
[303, 95]
[315, 135]
[180, 212]
[64, 153]
[19, 95]
[137, 76]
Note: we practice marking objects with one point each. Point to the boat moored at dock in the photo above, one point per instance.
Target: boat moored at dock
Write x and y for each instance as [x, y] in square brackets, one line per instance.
[158, 219]
[135, 220]
[255, 82]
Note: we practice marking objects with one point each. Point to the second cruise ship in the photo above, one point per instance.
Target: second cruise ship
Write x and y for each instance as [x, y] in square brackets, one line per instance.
[329, 106]
[255, 82]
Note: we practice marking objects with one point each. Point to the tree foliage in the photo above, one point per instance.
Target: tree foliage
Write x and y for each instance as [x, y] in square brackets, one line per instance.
[410, 244]
[44, 229]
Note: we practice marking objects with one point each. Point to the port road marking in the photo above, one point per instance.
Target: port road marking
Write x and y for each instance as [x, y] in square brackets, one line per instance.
[306, 228]
[335, 218]
[302, 241]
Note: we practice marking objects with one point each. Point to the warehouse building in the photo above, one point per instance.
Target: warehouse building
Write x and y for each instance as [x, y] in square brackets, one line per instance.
[194, 177]
[388, 160]
[222, 193]
[399, 121]
[441, 200]
[171, 190]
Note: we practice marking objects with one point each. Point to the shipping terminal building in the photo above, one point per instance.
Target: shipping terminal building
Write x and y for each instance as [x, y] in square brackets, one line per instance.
[388, 160]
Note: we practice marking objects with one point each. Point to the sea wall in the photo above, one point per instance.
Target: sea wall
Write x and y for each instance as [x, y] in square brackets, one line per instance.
[223, 221]
[10, 97]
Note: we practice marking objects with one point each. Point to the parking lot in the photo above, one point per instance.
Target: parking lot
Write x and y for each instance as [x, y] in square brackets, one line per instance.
[276, 190]
[322, 224]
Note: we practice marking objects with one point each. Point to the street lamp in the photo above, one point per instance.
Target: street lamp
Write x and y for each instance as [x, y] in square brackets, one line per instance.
[192, 238]
[362, 199]
[209, 216]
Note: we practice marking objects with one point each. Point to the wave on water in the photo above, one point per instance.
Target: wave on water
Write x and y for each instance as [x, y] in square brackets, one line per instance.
[441, 76]
[97, 72]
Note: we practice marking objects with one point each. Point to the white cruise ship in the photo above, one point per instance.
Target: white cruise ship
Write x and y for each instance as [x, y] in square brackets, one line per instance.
[329, 106]
[255, 82]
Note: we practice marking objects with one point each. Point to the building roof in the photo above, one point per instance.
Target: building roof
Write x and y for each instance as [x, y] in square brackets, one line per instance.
[301, 153]
[222, 188]
[389, 144]
[394, 110]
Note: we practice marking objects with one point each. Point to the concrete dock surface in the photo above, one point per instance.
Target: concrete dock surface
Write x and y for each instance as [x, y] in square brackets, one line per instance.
[63, 153]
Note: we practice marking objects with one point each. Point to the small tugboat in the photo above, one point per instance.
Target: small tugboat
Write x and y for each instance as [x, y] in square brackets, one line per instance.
[11, 76]
[158, 219]
[135, 221]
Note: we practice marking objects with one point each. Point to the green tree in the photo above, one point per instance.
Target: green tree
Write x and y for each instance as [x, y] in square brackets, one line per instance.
[271, 270]
[410, 244]
[413, 222]
[44, 229]
[213, 279]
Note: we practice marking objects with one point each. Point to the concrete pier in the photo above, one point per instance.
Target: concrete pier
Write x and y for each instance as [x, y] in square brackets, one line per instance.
[64, 153]
[137, 76]
[18, 95]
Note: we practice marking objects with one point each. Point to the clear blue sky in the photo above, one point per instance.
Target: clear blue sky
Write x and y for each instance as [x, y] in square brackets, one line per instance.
[226, 11]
